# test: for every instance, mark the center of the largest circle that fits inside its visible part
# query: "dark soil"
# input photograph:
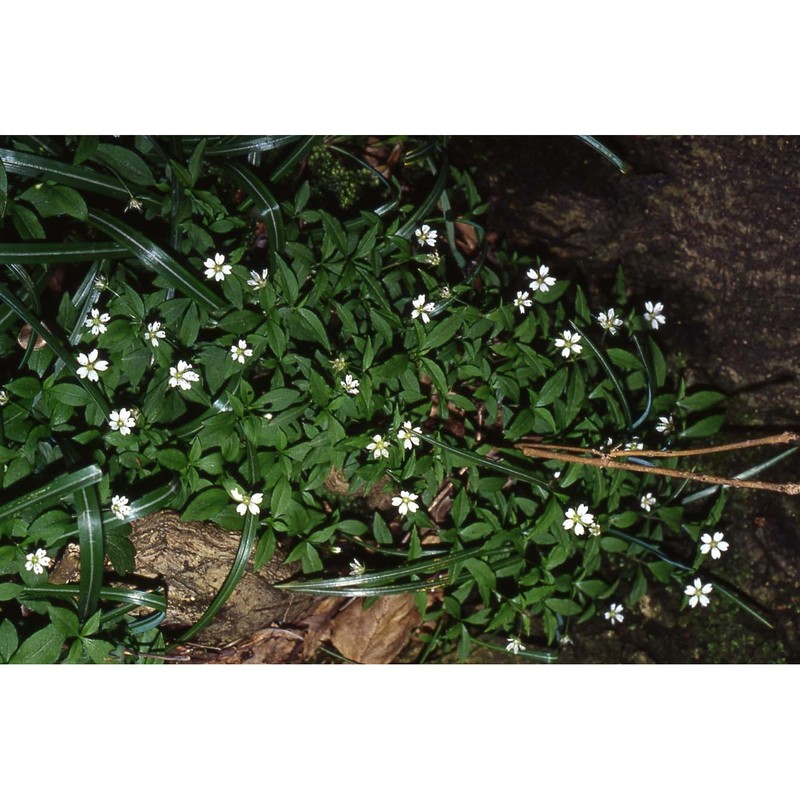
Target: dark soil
(706, 225)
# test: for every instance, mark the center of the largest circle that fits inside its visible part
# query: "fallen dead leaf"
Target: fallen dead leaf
(375, 635)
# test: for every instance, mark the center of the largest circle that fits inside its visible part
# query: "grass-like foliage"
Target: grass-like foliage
(310, 341)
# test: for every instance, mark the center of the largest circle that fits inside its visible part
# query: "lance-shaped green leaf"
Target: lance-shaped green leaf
(300, 152)
(90, 538)
(70, 253)
(158, 260)
(131, 597)
(242, 146)
(606, 153)
(54, 491)
(266, 205)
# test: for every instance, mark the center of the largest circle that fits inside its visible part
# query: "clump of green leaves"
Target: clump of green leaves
(217, 257)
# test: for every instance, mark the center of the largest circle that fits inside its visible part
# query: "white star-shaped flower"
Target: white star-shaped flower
(96, 321)
(569, 343)
(120, 506)
(614, 613)
(665, 425)
(408, 435)
(578, 519)
(609, 321)
(422, 309)
(426, 235)
(514, 645)
(713, 544)
(357, 568)
(3, 397)
(648, 502)
(405, 503)
(258, 281)
(653, 314)
(522, 302)
(379, 447)
(247, 502)
(350, 384)
(134, 204)
(594, 529)
(154, 333)
(541, 281)
(216, 267)
(634, 444)
(122, 421)
(698, 593)
(183, 375)
(241, 351)
(37, 561)
(90, 366)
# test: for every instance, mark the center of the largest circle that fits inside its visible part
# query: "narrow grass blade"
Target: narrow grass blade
(746, 475)
(154, 257)
(68, 174)
(442, 172)
(135, 597)
(242, 146)
(90, 538)
(497, 466)
(246, 546)
(545, 656)
(266, 205)
(372, 591)
(606, 153)
(33, 253)
(305, 146)
(55, 343)
(54, 491)
(649, 381)
(618, 388)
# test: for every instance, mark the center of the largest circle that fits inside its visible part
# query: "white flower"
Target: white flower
(338, 364)
(434, 259)
(91, 366)
(133, 204)
(241, 351)
(578, 519)
(379, 447)
(357, 568)
(614, 613)
(714, 545)
(540, 282)
(609, 321)
(653, 314)
(183, 375)
(698, 592)
(634, 444)
(247, 502)
(350, 384)
(258, 281)
(405, 503)
(268, 416)
(594, 529)
(522, 302)
(445, 293)
(154, 333)
(569, 343)
(514, 645)
(37, 561)
(216, 267)
(3, 397)
(120, 506)
(665, 425)
(425, 235)
(648, 502)
(407, 435)
(122, 421)
(422, 309)
(96, 321)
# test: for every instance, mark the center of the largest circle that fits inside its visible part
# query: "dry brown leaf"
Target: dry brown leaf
(466, 239)
(319, 624)
(378, 634)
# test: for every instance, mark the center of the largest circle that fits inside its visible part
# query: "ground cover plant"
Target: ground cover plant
(262, 332)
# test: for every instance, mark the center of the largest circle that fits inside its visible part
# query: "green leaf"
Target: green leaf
(8, 639)
(3, 190)
(65, 620)
(9, 591)
(700, 401)
(242, 146)
(54, 201)
(154, 257)
(624, 359)
(127, 164)
(70, 253)
(207, 504)
(266, 205)
(442, 333)
(43, 647)
(436, 374)
(98, 651)
(705, 427)
(564, 607)
(26, 223)
(380, 530)
(554, 388)
(196, 161)
(315, 327)
(27, 387)
(90, 537)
